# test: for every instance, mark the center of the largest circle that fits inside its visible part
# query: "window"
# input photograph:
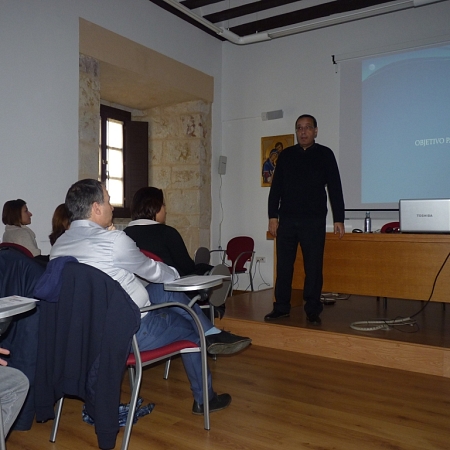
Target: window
(123, 157)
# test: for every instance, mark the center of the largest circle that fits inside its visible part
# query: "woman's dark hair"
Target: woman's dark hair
(60, 222)
(12, 212)
(147, 202)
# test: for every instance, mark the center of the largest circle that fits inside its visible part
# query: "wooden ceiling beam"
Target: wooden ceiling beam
(303, 15)
(249, 8)
(193, 4)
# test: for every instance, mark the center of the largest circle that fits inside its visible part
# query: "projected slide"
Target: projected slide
(405, 126)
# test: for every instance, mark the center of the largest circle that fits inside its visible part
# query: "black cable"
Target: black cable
(432, 289)
(383, 324)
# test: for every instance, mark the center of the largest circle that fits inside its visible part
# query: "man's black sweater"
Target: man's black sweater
(299, 181)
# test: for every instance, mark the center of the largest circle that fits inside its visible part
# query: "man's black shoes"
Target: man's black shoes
(217, 403)
(314, 319)
(275, 315)
(225, 343)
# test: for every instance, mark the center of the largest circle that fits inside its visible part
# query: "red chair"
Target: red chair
(151, 255)
(137, 360)
(18, 247)
(240, 250)
(391, 227)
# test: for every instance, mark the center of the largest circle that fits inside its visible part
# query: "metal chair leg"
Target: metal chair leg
(58, 411)
(166, 369)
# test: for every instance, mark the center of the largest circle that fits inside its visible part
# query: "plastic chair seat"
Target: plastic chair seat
(162, 352)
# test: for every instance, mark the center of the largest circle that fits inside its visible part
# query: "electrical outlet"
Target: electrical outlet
(261, 259)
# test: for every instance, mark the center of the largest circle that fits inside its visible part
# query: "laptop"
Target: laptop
(430, 215)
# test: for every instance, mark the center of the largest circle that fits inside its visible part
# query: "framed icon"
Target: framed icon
(271, 147)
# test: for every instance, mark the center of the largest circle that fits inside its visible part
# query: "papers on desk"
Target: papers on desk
(15, 300)
(15, 304)
(196, 280)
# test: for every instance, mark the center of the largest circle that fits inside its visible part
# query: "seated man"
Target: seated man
(13, 391)
(90, 242)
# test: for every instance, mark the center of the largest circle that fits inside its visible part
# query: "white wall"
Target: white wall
(39, 88)
(294, 74)
(39, 96)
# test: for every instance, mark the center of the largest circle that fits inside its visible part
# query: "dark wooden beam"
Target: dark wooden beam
(192, 4)
(249, 8)
(304, 15)
(179, 14)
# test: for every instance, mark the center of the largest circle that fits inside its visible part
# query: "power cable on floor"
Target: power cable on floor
(387, 324)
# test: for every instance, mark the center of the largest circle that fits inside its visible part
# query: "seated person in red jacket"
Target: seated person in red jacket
(150, 232)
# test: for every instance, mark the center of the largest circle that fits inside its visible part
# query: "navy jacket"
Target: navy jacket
(84, 341)
(18, 276)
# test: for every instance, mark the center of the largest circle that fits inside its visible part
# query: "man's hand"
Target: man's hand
(273, 227)
(339, 229)
(3, 351)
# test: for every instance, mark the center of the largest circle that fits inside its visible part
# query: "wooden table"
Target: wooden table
(384, 265)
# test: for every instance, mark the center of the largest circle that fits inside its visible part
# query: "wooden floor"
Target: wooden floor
(433, 323)
(288, 399)
(423, 348)
(281, 400)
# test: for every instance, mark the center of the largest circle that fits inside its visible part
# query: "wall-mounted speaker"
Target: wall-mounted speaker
(271, 115)
(222, 170)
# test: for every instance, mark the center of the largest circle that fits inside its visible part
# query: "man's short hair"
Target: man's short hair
(307, 116)
(81, 196)
(146, 203)
(12, 212)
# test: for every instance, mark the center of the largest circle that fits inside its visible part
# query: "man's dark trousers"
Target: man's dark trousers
(310, 234)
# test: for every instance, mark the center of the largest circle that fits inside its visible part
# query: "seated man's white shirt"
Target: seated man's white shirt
(114, 253)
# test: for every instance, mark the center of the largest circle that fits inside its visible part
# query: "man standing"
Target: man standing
(113, 252)
(297, 215)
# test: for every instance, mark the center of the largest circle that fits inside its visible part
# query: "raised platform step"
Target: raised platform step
(424, 348)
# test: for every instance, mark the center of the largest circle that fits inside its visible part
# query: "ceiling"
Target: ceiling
(247, 21)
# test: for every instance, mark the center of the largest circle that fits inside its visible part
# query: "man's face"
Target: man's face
(306, 132)
(105, 210)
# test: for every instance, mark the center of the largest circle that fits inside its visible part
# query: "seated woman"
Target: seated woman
(149, 231)
(60, 222)
(16, 217)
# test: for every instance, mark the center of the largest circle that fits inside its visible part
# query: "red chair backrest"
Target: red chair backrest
(21, 248)
(391, 227)
(238, 245)
(151, 255)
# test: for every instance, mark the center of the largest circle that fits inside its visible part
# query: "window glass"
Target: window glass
(115, 163)
(114, 133)
(115, 190)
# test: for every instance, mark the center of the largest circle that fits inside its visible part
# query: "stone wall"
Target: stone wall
(179, 155)
(180, 164)
(89, 116)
